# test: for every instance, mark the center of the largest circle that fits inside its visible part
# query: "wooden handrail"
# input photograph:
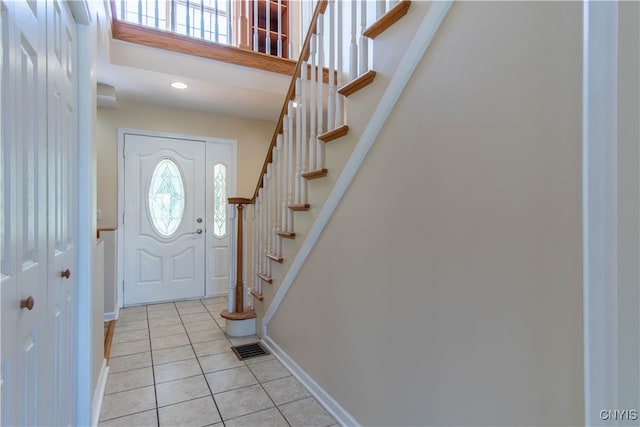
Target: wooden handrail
(304, 55)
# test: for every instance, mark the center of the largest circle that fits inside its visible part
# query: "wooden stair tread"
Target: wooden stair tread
(275, 258)
(392, 16)
(286, 234)
(304, 207)
(334, 134)
(355, 85)
(247, 314)
(318, 173)
(266, 278)
(257, 295)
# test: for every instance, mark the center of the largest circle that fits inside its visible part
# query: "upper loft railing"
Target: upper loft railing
(226, 30)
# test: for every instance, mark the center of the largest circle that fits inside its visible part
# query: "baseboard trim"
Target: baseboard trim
(112, 316)
(324, 398)
(98, 393)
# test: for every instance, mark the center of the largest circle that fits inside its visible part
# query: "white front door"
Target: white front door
(164, 219)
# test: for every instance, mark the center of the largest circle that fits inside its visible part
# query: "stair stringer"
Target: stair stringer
(387, 90)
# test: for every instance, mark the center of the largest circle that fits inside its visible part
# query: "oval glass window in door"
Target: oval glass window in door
(166, 197)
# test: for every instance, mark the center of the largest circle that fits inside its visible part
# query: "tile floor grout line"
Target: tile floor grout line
(204, 375)
(153, 370)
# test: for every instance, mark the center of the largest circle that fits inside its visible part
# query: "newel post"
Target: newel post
(239, 320)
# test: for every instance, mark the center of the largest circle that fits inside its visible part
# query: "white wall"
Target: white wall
(253, 138)
(447, 287)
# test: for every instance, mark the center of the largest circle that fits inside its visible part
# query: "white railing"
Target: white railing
(333, 53)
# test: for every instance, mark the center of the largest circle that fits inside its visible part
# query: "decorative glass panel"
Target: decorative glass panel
(166, 197)
(219, 200)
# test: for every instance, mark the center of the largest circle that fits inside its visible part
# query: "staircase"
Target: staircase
(323, 116)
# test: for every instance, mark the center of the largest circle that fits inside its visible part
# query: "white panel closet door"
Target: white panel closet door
(25, 398)
(63, 185)
(164, 224)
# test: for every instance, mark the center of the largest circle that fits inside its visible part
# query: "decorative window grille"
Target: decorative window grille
(201, 19)
(166, 198)
(219, 200)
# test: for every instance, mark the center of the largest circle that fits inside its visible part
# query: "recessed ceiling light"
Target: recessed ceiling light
(179, 85)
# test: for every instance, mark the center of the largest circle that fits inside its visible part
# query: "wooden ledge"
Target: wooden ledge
(248, 314)
(355, 85)
(266, 278)
(286, 234)
(319, 173)
(257, 295)
(334, 134)
(275, 258)
(239, 201)
(304, 207)
(392, 16)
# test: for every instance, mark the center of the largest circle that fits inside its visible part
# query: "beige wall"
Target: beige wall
(629, 205)
(458, 301)
(252, 136)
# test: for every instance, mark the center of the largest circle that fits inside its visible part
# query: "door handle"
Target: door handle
(66, 274)
(27, 303)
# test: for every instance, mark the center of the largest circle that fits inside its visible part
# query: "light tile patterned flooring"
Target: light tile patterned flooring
(172, 365)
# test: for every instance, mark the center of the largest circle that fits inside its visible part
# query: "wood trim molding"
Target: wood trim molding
(257, 295)
(334, 134)
(247, 314)
(304, 207)
(358, 83)
(265, 278)
(318, 173)
(276, 258)
(286, 234)
(205, 49)
(239, 201)
(392, 16)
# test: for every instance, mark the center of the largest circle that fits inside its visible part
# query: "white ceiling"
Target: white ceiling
(142, 74)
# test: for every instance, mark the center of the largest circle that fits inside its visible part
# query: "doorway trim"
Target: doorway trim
(121, 134)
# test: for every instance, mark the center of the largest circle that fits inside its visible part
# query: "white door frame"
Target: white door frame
(121, 225)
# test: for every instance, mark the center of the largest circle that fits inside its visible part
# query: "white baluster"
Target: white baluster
(339, 98)
(353, 65)
(256, 249)
(278, 187)
(267, 228)
(245, 239)
(381, 8)
(320, 99)
(313, 105)
(285, 176)
(267, 36)
(280, 28)
(298, 144)
(331, 106)
(255, 26)
(364, 41)
(290, 164)
(302, 107)
(254, 281)
(392, 3)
